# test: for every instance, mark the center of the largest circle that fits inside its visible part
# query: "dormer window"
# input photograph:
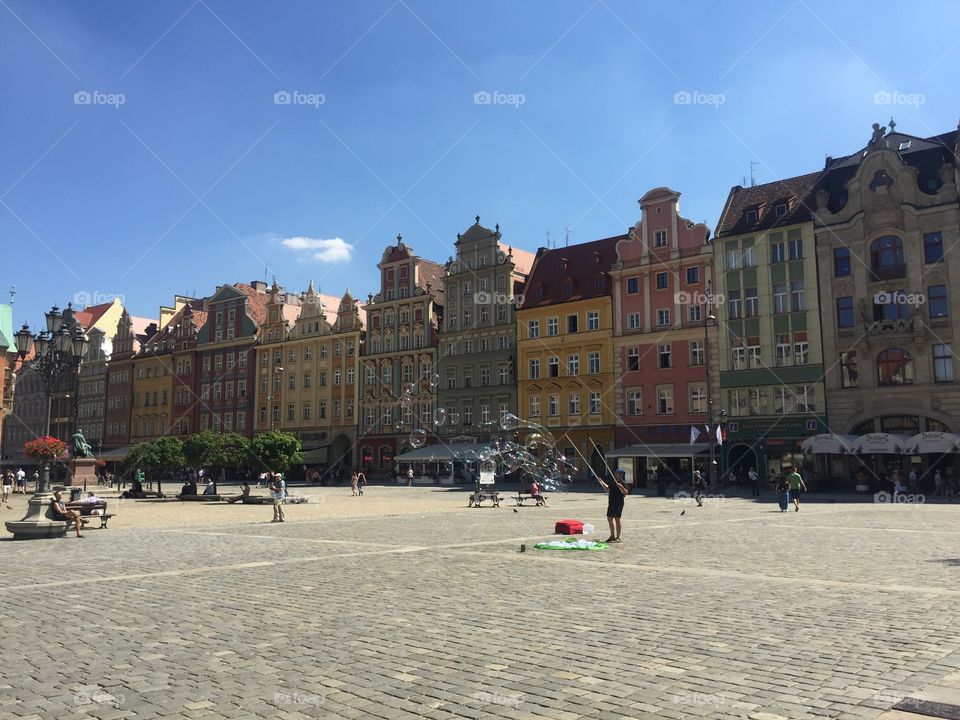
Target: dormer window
(905, 145)
(594, 260)
(567, 287)
(751, 216)
(660, 238)
(780, 210)
(563, 266)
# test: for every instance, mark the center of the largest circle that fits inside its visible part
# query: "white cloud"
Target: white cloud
(325, 249)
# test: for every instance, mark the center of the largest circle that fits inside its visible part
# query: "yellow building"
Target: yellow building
(307, 374)
(565, 349)
(152, 391)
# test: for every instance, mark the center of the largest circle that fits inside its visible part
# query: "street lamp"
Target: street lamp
(57, 351)
(709, 318)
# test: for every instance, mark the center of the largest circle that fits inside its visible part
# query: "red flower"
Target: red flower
(45, 448)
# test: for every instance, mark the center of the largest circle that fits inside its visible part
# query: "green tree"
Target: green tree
(275, 451)
(233, 449)
(162, 454)
(201, 449)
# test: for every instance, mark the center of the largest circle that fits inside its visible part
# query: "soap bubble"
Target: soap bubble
(406, 401)
(470, 456)
(484, 454)
(453, 418)
(417, 438)
(407, 388)
(434, 382)
(439, 416)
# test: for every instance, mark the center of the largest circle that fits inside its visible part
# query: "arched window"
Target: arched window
(894, 367)
(886, 258)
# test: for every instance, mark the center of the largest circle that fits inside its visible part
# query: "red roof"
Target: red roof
(568, 274)
(256, 302)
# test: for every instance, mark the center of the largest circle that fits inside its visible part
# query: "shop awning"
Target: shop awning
(115, 454)
(881, 444)
(661, 450)
(933, 442)
(316, 456)
(828, 444)
(442, 451)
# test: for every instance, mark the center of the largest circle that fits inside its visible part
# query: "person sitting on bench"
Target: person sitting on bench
(211, 488)
(244, 493)
(61, 513)
(189, 488)
(535, 493)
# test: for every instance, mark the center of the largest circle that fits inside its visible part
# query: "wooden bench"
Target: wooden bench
(479, 496)
(541, 500)
(86, 510)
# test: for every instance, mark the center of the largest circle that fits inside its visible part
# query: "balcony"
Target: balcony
(891, 272)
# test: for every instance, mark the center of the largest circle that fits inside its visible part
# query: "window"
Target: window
(468, 376)
(734, 305)
(572, 323)
(894, 367)
(633, 359)
(782, 400)
(534, 370)
(738, 355)
(780, 305)
(937, 300)
(593, 320)
(553, 326)
(665, 400)
(291, 382)
(662, 281)
(942, 363)
(733, 258)
(693, 275)
(696, 353)
(804, 399)
(890, 305)
(751, 215)
(594, 402)
(484, 413)
(634, 402)
(845, 316)
(783, 350)
(754, 359)
(484, 376)
(573, 404)
(796, 248)
(533, 403)
(593, 362)
(693, 313)
(663, 317)
(801, 348)
(554, 366)
(752, 305)
(660, 238)
(886, 258)
(290, 412)
(933, 247)
(533, 329)
(756, 399)
(777, 254)
(698, 399)
(503, 375)
(841, 262)
(848, 369)
(573, 364)
(633, 321)
(553, 405)
(663, 356)
(306, 410)
(323, 377)
(633, 285)
(798, 298)
(749, 257)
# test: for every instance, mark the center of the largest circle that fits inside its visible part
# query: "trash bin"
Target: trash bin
(75, 493)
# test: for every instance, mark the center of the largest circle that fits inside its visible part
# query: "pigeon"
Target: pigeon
(682, 513)
(515, 510)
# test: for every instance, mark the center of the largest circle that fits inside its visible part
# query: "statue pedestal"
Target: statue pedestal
(83, 471)
(38, 522)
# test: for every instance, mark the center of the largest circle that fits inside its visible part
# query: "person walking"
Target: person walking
(796, 485)
(937, 483)
(279, 490)
(783, 493)
(361, 481)
(754, 482)
(698, 487)
(7, 485)
(353, 484)
(21, 480)
(410, 476)
(616, 492)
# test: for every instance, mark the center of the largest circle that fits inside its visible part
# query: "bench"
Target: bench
(479, 496)
(86, 510)
(541, 500)
(104, 519)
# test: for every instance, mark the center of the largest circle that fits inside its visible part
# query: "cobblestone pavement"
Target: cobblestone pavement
(734, 610)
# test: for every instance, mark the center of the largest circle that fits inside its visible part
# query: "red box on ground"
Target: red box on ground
(568, 527)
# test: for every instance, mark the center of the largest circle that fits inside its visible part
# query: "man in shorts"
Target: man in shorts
(796, 484)
(62, 513)
(279, 489)
(616, 492)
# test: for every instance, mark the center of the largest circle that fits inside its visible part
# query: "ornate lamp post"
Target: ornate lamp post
(58, 350)
(709, 318)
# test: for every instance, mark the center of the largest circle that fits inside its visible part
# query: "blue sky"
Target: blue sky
(182, 172)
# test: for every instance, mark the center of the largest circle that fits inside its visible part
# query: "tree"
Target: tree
(275, 451)
(164, 453)
(200, 449)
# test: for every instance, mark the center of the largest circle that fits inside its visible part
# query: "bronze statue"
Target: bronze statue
(79, 446)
